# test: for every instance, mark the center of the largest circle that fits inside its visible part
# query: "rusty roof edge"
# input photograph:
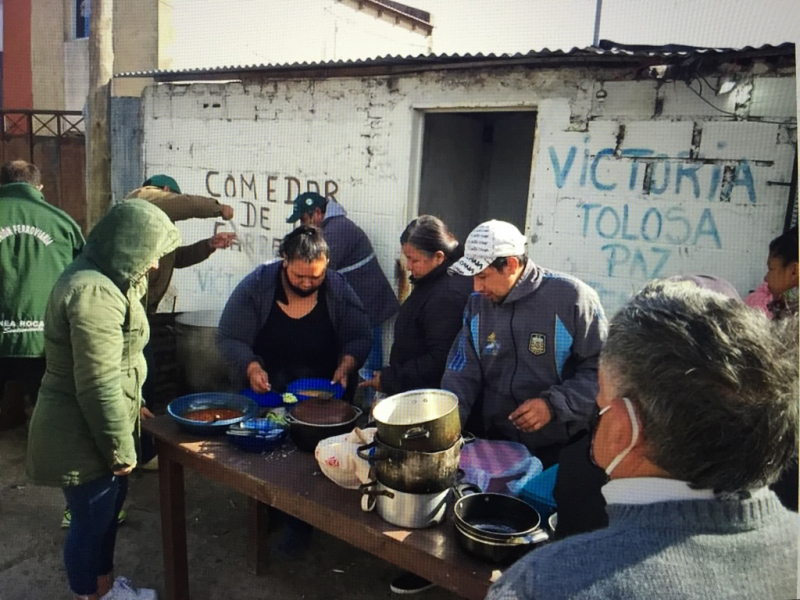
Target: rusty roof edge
(392, 64)
(399, 12)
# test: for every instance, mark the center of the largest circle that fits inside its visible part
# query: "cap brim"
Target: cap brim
(295, 217)
(469, 266)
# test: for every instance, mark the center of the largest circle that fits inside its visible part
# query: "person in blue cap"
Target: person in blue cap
(352, 255)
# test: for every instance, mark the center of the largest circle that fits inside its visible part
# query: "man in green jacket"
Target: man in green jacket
(37, 242)
(84, 429)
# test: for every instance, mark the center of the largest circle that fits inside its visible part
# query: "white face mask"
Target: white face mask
(634, 436)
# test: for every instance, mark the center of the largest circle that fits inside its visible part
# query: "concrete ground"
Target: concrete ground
(31, 544)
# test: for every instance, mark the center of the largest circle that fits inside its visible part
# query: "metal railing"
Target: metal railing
(17, 123)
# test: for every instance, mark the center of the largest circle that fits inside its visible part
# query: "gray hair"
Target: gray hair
(715, 384)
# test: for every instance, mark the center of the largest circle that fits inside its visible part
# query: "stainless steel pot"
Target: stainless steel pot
(410, 471)
(424, 420)
(200, 365)
(413, 511)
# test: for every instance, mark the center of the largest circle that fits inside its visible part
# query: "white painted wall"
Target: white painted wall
(248, 32)
(588, 215)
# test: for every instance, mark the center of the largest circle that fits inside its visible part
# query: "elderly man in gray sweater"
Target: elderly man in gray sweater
(698, 408)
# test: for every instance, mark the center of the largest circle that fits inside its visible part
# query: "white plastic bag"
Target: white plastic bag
(338, 460)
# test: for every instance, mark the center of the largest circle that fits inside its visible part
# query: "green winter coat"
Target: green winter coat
(86, 419)
(37, 242)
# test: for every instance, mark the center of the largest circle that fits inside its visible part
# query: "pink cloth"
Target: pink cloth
(492, 464)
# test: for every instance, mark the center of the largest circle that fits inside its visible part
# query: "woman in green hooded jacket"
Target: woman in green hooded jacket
(84, 429)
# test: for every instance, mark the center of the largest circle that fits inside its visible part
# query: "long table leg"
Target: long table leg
(173, 525)
(258, 521)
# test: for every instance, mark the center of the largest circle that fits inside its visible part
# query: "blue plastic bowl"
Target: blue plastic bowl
(257, 435)
(180, 406)
(266, 400)
(317, 384)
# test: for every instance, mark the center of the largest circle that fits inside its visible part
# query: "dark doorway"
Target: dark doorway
(476, 166)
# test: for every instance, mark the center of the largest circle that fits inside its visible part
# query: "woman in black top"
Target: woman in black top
(295, 319)
(430, 318)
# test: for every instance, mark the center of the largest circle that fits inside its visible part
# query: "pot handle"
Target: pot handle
(368, 502)
(369, 453)
(468, 437)
(416, 433)
(365, 487)
(369, 495)
(536, 537)
(465, 489)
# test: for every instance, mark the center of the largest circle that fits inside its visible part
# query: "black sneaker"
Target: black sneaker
(408, 583)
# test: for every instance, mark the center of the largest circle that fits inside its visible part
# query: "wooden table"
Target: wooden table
(290, 480)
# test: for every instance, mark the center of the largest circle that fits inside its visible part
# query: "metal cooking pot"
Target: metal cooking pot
(498, 552)
(307, 435)
(199, 362)
(495, 527)
(410, 471)
(424, 420)
(414, 511)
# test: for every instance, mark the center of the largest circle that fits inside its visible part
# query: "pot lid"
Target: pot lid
(199, 318)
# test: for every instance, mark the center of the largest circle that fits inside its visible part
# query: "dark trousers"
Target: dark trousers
(581, 505)
(147, 441)
(19, 377)
(92, 535)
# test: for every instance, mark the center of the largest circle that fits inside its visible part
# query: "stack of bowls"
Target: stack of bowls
(414, 457)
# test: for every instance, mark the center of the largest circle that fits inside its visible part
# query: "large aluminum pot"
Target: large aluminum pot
(199, 363)
(414, 511)
(422, 420)
(410, 471)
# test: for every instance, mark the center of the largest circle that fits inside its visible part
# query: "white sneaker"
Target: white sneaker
(123, 590)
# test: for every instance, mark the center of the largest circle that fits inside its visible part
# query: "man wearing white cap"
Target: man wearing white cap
(524, 366)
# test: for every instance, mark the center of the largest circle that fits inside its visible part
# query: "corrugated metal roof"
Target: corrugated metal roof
(607, 52)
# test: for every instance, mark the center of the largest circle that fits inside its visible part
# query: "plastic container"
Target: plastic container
(256, 435)
(317, 385)
(538, 491)
(266, 400)
(210, 400)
